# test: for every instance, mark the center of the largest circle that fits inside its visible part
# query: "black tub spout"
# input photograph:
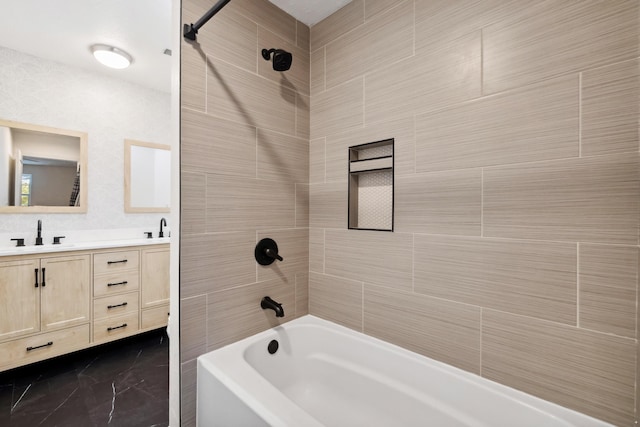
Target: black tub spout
(268, 303)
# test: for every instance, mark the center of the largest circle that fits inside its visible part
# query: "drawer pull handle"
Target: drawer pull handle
(124, 325)
(117, 305)
(36, 277)
(49, 344)
(117, 262)
(117, 283)
(43, 283)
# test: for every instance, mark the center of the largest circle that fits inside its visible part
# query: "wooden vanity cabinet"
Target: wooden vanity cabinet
(41, 300)
(66, 301)
(19, 298)
(154, 287)
(116, 292)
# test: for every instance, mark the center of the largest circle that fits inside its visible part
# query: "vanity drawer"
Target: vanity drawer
(116, 305)
(110, 284)
(156, 317)
(43, 346)
(115, 327)
(114, 262)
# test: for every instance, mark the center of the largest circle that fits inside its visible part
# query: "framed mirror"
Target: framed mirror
(147, 177)
(42, 169)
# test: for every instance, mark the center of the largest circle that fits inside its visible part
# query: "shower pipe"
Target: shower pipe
(191, 30)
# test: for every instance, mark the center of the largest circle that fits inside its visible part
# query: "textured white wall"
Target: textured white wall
(44, 92)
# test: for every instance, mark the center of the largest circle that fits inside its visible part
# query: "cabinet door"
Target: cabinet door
(65, 294)
(19, 298)
(155, 277)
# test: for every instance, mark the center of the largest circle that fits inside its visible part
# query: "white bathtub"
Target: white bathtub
(326, 375)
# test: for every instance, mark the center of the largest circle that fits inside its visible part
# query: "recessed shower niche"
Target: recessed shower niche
(371, 186)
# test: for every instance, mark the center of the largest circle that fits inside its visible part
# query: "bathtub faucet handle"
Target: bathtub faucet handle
(268, 303)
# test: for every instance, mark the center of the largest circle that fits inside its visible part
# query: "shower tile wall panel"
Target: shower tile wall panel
(302, 294)
(440, 203)
(446, 74)
(303, 35)
(193, 324)
(316, 250)
(338, 109)
(578, 368)
(235, 204)
(377, 258)
(443, 330)
(217, 146)
(216, 261)
(381, 41)
(538, 122)
(552, 37)
(188, 390)
(608, 288)
(341, 22)
(336, 299)
(193, 84)
(303, 116)
(302, 205)
(536, 279)
(610, 109)
(517, 199)
(244, 176)
(591, 199)
(328, 205)
(241, 96)
(317, 160)
(282, 157)
(316, 76)
(193, 208)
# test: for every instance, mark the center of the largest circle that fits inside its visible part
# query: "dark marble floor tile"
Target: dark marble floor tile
(124, 383)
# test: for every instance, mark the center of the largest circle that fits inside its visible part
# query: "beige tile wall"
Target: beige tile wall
(515, 254)
(517, 199)
(244, 176)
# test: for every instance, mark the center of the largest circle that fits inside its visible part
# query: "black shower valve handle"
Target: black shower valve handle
(266, 252)
(273, 254)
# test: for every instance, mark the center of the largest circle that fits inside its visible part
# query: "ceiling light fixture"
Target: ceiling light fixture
(111, 56)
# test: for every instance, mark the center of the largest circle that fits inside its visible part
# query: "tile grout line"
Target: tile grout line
(482, 63)
(578, 285)
(481, 202)
(413, 262)
(580, 114)
(481, 333)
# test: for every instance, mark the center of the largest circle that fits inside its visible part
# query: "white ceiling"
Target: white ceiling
(310, 11)
(63, 31)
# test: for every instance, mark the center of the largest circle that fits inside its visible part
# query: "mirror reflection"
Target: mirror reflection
(41, 169)
(147, 176)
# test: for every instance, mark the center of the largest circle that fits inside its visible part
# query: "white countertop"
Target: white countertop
(78, 240)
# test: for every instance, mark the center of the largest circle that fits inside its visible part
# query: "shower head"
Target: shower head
(281, 58)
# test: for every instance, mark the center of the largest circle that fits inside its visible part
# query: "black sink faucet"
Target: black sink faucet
(162, 221)
(268, 303)
(39, 237)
